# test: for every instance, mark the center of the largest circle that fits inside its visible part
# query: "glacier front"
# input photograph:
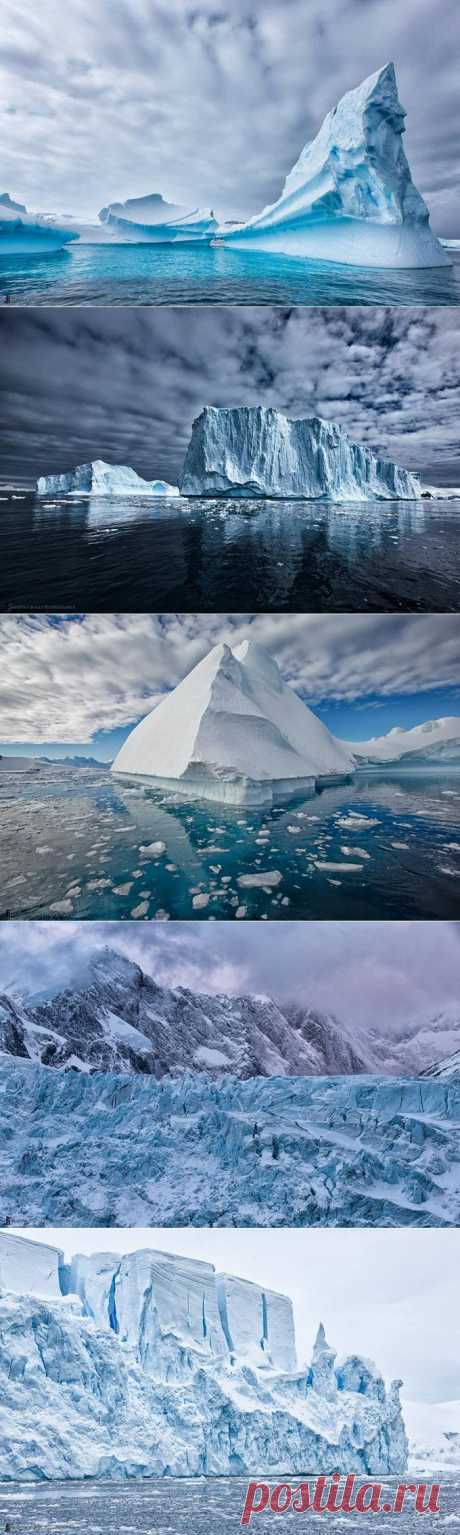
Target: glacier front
(350, 197)
(257, 451)
(151, 220)
(100, 479)
(155, 1365)
(23, 233)
(234, 731)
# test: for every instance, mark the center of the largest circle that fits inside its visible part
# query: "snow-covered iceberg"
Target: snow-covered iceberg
(157, 1366)
(435, 741)
(350, 197)
(234, 731)
(22, 232)
(151, 219)
(256, 451)
(100, 479)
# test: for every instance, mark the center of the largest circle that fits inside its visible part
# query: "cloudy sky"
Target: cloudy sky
(369, 974)
(378, 1293)
(82, 682)
(211, 103)
(125, 385)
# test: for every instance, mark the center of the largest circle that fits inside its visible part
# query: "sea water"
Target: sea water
(81, 843)
(107, 554)
(211, 274)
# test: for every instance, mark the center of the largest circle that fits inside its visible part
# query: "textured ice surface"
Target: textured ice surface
(151, 219)
(350, 197)
(29, 1267)
(234, 731)
(102, 479)
(103, 1150)
(256, 451)
(21, 232)
(142, 1391)
(434, 741)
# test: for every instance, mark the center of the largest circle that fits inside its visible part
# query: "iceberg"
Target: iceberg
(152, 220)
(23, 233)
(255, 451)
(434, 741)
(350, 197)
(100, 479)
(147, 1383)
(234, 731)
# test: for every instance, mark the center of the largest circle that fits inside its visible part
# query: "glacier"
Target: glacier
(100, 479)
(158, 1366)
(22, 233)
(434, 741)
(234, 732)
(152, 220)
(105, 1149)
(350, 197)
(255, 451)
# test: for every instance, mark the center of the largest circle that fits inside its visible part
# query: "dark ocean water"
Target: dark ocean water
(77, 843)
(203, 274)
(100, 554)
(192, 1507)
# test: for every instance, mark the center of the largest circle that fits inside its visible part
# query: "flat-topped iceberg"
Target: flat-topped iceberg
(434, 741)
(151, 219)
(23, 232)
(155, 1365)
(234, 731)
(100, 479)
(350, 197)
(256, 451)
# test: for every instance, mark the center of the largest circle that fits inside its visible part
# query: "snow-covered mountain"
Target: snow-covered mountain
(154, 1365)
(100, 479)
(256, 451)
(434, 741)
(233, 731)
(444, 1069)
(150, 219)
(23, 232)
(434, 1437)
(350, 197)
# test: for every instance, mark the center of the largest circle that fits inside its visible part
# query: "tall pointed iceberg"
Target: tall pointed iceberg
(234, 731)
(350, 197)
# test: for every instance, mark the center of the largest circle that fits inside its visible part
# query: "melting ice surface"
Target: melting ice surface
(78, 843)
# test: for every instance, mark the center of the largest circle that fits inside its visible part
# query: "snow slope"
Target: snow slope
(233, 730)
(146, 1392)
(435, 741)
(22, 232)
(100, 479)
(434, 1437)
(350, 197)
(150, 219)
(108, 1150)
(257, 451)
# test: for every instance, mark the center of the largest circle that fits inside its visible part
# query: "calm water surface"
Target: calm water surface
(189, 1507)
(100, 554)
(79, 843)
(204, 274)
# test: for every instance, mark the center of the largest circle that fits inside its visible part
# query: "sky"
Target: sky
(79, 684)
(126, 385)
(211, 103)
(378, 1293)
(368, 974)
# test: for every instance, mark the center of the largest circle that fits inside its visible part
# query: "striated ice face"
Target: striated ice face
(255, 451)
(159, 1367)
(350, 197)
(151, 219)
(29, 1267)
(21, 231)
(103, 479)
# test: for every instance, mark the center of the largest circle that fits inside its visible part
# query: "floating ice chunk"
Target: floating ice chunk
(153, 849)
(100, 479)
(28, 233)
(151, 220)
(266, 881)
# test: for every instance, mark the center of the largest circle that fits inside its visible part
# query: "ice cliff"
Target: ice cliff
(256, 451)
(234, 731)
(23, 233)
(100, 479)
(150, 219)
(159, 1366)
(434, 741)
(350, 197)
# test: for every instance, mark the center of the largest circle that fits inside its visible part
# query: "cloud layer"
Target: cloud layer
(126, 385)
(209, 103)
(65, 680)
